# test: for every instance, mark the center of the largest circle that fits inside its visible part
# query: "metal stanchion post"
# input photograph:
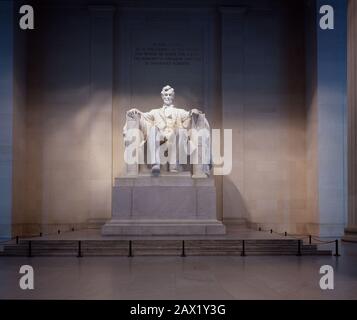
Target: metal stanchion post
(299, 248)
(183, 254)
(79, 249)
(243, 248)
(336, 249)
(30, 249)
(130, 249)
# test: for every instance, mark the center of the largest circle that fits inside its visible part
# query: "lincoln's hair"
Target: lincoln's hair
(167, 89)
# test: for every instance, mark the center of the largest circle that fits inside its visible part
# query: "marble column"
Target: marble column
(351, 230)
(6, 116)
(327, 119)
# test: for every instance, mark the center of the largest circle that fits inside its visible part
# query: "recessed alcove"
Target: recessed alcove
(261, 68)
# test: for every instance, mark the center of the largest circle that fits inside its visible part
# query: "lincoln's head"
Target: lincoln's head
(168, 95)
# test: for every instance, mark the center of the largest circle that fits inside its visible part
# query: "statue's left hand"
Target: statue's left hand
(195, 111)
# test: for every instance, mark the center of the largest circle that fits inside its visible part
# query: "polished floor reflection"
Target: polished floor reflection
(182, 278)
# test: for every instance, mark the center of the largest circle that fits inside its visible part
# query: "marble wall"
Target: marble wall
(263, 100)
(69, 116)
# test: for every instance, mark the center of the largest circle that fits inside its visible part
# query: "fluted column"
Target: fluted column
(351, 230)
(326, 134)
(6, 116)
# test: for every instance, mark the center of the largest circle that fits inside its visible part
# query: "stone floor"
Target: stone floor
(182, 278)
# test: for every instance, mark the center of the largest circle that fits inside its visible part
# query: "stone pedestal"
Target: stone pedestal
(350, 234)
(170, 204)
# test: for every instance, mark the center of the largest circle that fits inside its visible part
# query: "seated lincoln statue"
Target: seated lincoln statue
(172, 136)
(173, 146)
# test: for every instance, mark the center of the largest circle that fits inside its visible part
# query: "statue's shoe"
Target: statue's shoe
(155, 170)
(173, 168)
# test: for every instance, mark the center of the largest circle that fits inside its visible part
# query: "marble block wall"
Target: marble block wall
(69, 118)
(263, 100)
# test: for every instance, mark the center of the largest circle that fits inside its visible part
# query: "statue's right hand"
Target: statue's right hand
(132, 112)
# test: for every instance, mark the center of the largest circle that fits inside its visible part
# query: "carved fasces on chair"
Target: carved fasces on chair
(200, 142)
(132, 143)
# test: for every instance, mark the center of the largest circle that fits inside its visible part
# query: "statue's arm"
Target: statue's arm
(148, 116)
(187, 116)
(132, 113)
(183, 114)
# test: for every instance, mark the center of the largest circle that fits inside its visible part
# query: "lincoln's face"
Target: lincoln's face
(168, 97)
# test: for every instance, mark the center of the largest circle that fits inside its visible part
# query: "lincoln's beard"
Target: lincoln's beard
(168, 101)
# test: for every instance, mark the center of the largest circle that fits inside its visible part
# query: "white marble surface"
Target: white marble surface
(163, 227)
(169, 204)
(165, 179)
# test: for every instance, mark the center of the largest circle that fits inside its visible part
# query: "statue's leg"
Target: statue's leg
(154, 150)
(173, 152)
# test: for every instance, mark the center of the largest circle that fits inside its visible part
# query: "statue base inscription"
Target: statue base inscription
(171, 204)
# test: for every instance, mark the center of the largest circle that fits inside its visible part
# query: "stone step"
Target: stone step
(159, 247)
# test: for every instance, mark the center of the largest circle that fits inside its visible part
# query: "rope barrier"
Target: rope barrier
(29, 244)
(285, 234)
(58, 232)
(300, 238)
(296, 236)
(323, 242)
